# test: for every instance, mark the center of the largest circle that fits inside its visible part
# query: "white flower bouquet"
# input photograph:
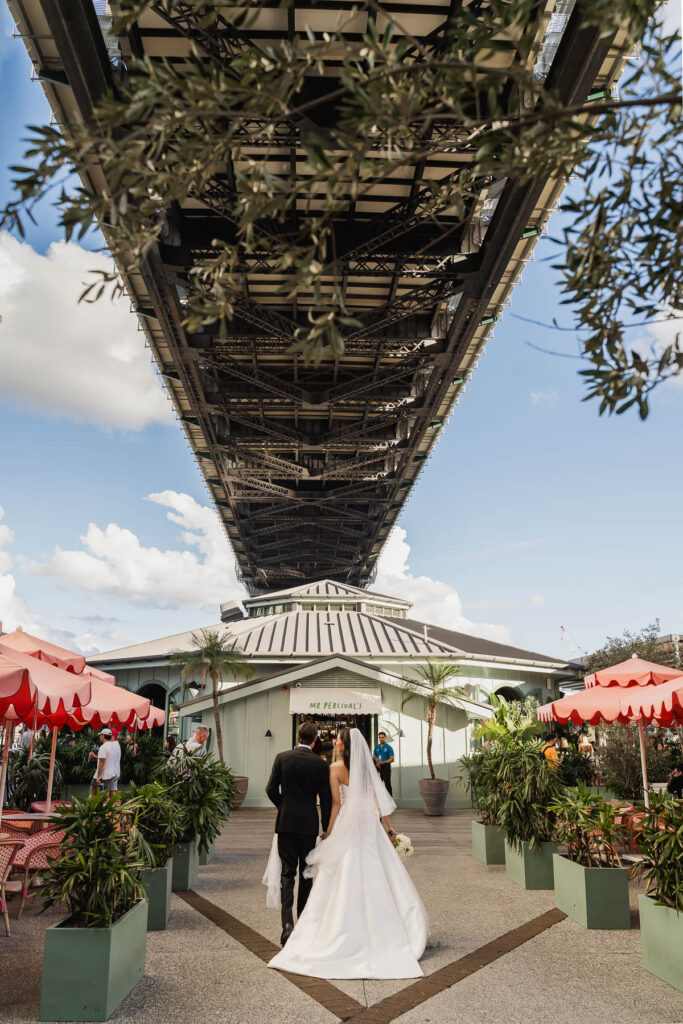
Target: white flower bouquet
(403, 846)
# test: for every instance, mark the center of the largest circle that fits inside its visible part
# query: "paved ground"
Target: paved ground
(502, 952)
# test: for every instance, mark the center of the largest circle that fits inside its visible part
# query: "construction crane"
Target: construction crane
(572, 646)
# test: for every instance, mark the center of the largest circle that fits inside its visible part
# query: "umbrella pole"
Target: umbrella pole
(5, 758)
(53, 754)
(33, 732)
(643, 762)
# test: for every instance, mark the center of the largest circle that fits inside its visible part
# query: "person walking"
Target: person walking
(384, 758)
(298, 779)
(108, 763)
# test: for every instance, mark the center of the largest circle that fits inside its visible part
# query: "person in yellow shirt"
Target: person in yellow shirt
(549, 751)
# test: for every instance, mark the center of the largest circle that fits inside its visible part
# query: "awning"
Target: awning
(314, 700)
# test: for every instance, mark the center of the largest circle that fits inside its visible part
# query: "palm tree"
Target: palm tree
(433, 685)
(213, 655)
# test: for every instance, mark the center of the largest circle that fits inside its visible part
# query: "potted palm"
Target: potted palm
(96, 956)
(205, 790)
(433, 686)
(591, 884)
(661, 908)
(527, 789)
(162, 823)
(479, 771)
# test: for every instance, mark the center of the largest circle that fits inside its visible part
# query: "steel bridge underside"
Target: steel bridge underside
(309, 465)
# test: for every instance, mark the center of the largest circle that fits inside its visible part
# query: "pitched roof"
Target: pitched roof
(313, 633)
(478, 645)
(154, 648)
(325, 588)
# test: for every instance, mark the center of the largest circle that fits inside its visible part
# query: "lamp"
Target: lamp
(269, 733)
(194, 688)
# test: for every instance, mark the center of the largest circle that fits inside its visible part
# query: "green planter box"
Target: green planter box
(488, 843)
(532, 869)
(661, 937)
(87, 972)
(206, 856)
(157, 883)
(595, 897)
(185, 866)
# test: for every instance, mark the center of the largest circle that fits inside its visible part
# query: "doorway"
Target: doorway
(329, 726)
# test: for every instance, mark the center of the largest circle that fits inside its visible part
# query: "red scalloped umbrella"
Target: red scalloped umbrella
(30, 687)
(632, 672)
(633, 691)
(26, 643)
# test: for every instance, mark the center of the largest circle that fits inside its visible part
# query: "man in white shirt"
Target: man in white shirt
(108, 763)
(195, 745)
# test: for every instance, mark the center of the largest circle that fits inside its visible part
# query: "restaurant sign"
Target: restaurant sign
(361, 700)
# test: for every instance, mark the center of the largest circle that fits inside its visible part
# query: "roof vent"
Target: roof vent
(231, 611)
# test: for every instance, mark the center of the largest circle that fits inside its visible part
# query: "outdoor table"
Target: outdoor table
(35, 817)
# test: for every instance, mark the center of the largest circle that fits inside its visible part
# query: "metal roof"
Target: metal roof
(478, 645)
(310, 465)
(325, 588)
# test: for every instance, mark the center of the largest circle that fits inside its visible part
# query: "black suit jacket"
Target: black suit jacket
(298, 778)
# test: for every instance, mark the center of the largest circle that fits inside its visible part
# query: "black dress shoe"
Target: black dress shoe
(286, 932)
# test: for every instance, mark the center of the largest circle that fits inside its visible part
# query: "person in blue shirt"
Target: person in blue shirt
(383, 757)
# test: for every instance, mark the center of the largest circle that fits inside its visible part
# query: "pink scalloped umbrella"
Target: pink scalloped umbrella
(634, 691)
(30, 687)
(25, 642)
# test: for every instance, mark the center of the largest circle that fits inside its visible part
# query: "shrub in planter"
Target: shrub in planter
(161, 822)
(661, 909)
(96, 956)
(205, 789)
(479, 774)
(591, 884)
(528, 786)
(27, 777)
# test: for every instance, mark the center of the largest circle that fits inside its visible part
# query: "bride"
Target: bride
(363, 918)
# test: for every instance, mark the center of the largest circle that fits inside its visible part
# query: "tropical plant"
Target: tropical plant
(98, 875)
(661, 839)
(576, 768)
(513, 721)
(141, 758)
(213, 656)
(73, 752)
(28, 776)
(589, 828)
(618, 761)
(433, 686)
(205, 789)
(160, 819)
(528, 787)
(480, 774)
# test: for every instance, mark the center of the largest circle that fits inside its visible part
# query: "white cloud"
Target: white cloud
(538, 600)
(434, 602)
(544, 397)
(82, 361)
(112, 560)
(13, 609)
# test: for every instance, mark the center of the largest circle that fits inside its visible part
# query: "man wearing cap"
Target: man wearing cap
(108, 763)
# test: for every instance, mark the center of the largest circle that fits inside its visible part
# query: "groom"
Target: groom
(298, 778)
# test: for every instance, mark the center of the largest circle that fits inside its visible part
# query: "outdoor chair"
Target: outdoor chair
(18, 829)
(40, 806)
(32, 861)
(8, 852)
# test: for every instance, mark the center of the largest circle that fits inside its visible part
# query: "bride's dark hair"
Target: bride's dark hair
(345, 737)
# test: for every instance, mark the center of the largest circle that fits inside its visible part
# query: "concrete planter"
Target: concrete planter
(661, 937)
(185, 866)
(88, 972)
(206, 856)
(157, 883)
(594, 897)
(531, 869)
(242, 782)
(488, 843)
(434, 793)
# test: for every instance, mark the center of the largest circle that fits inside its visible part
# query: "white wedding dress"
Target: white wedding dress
(364, 917)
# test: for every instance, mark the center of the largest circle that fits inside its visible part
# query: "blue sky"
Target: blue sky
(533, 512)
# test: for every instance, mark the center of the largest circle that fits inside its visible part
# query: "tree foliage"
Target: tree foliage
(618, 760)
(434, 686)
(163, 134)
(644, 643)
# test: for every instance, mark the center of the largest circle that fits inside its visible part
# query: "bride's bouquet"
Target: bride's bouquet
(403, 846)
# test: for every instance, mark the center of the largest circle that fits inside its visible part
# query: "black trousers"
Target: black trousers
(385, 776)
(293, 850)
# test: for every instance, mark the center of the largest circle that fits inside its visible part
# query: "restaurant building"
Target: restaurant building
(339, 654)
